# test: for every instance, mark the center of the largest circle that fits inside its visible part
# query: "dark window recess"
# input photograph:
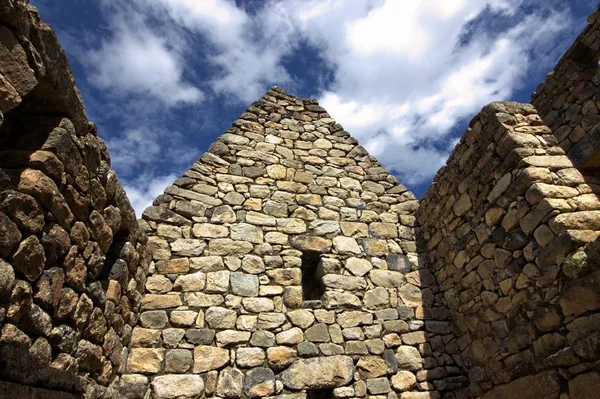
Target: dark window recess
(312, 286)
(320, 394)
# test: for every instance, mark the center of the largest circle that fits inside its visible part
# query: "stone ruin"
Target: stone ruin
(287, 262)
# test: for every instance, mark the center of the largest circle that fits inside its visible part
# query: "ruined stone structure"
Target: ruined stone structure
(288, 263)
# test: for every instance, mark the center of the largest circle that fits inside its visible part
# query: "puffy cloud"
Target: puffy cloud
(403, 74)
(406, 73)
(243, 51)
(136, 60)
(143, 190)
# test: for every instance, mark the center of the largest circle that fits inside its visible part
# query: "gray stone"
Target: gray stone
(202, 336)
(244, 284)
(263, 339)
(318, 373)
(7, 280)
(259, 382)
(220, 318)
(230, 383)
(408, 358)
(317, 333)
(178, 360)
(164, 215)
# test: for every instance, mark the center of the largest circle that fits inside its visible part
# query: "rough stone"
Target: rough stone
(318, 373)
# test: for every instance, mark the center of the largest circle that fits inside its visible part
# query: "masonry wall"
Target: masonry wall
(569, 98)
(225, 314)
(505, 223)
(72, 257)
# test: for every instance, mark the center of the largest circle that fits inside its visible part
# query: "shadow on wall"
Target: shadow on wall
(443, 362)
(71, 253)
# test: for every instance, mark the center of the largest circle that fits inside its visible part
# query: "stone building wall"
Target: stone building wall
(569, 99)
(72, 256)
(512, 223)
(505, 222)
(287, 201)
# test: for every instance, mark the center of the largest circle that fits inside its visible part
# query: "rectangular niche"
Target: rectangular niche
(312, 283)
(320, 394)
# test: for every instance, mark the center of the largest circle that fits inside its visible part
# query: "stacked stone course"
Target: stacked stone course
(287, 262)
(73, 259)
(224, 311)
(499, 221)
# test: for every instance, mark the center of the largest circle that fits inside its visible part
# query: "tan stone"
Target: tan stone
(207, 358)
(145, 360)
(371, 366)
(280, 357)
(173, 266)
(157, 301)
(207, 230)
(403, 381)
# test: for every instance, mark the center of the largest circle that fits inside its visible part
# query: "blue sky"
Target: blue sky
(164, 78)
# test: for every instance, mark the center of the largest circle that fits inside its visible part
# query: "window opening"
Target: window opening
(320, 394)
(312, 285)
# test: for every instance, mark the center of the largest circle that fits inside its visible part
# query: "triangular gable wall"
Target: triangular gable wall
(284, 200)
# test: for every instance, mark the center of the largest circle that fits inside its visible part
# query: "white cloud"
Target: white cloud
(407, 72)
(143, 190)
(404, 72)
(136, 60)
(246, 53)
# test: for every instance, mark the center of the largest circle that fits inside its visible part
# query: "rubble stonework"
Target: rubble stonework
(73, 259)
(499, 221)
(231, 239)
(287, 262)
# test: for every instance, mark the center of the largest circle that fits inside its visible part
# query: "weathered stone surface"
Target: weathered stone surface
(318, 373)
(7, 279)
(408, 358)
(23, 210)
(250, 357)
(207, 230)
(286, 196)
(207, 358)
(187, 282)
(29, 258)
(177, 386)
(162, 214)
(371, 367)
(280, 357)
(145, 360)
(178, 360)
(259, 382)
(403, 381)
(9, 235)
(541, 385)
(386, 278)
(585, 385)
(220, 318)
(312, 243)
(244, 284)
(230, 383)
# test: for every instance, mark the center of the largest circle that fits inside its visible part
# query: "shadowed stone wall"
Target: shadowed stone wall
(505, 222)
(73, 259)
(569, 99)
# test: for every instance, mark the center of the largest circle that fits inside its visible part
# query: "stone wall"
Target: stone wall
(569, 99)
(286, 261)
(73, 259)
(512, 223)
(505, 222)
